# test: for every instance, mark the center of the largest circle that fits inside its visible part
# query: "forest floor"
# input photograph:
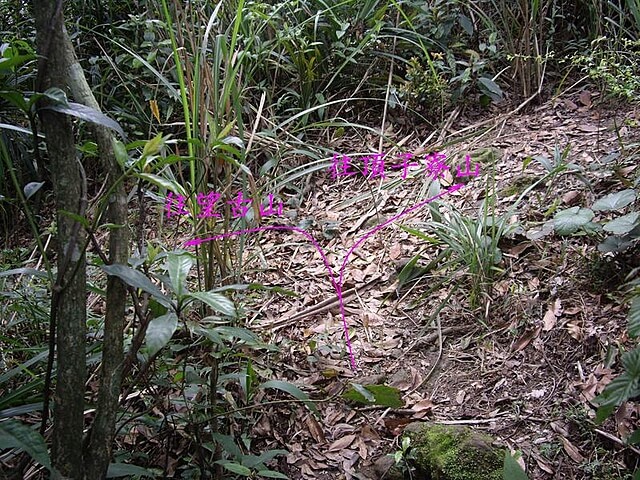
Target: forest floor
(523, 365)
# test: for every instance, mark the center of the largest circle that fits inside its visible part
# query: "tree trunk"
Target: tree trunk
(99, 450)
(68, 303)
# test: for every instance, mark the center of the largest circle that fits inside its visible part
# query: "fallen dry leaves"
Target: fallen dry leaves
(522, 378)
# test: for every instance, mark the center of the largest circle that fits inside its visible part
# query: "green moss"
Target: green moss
(454, 453)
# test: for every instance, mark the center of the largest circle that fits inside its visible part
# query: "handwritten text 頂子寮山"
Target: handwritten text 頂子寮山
(374, 165)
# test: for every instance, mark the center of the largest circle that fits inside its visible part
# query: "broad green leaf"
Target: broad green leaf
(615, 244)
(237, 468)
(621, 388)
(272, 474)
(255, 460)
(622, 225)
(124, 469)
(631, 363)
(178, 267)
(592, 228)
(490, 88)
(87, 114)
(512, 469)
(84, 221)
(209, 333)
(291, 390)
(16, 99)
(239, 333)
(14, 434)
(366, 394)
(615, 201)
(634, 317)
(15, 54)
(406, 443)
(153, 146)
(603, 413)
(465, 22)
(217, 301)
(382, 395)
(138, 280)
(540, 231)
(160, 331)
(120, 152)
(31, 188)
(570, 220)
(634, 438)
(56, 95)
(228, 445)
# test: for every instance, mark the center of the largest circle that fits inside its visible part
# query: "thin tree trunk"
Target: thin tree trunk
(68, 304)
(98, 453)
(99, 450)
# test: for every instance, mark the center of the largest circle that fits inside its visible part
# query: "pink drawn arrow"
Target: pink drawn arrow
(337, 285)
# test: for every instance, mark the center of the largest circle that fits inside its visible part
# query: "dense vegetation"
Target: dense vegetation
(108, 169)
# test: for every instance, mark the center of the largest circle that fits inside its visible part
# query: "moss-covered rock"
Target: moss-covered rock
(444, 452)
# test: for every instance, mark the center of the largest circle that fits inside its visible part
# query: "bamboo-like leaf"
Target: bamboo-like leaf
(252, 461)
(237, 469)
(24, 271)
(15, 434)
(162, 182)
(272, 474)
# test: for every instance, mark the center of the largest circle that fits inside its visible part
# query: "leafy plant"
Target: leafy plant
(471, 240)
(177, 267)
(17, 435)
(457, 62)
(404, 456)
(625, 386)
(613, 69)
(245, 465)
(624, 230)
(374, 395)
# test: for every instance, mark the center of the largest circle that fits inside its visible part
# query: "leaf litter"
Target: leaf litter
(525, 368)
